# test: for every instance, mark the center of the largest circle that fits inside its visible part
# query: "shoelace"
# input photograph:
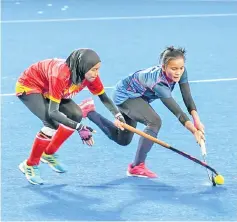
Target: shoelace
(34, 170)
(52, 159)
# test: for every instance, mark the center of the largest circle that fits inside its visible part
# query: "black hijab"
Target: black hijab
(80, 62)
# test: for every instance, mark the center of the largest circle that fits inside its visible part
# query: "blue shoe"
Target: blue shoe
(53, 162)
(32, 173)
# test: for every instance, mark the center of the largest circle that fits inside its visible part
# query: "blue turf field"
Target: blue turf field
(127, 38)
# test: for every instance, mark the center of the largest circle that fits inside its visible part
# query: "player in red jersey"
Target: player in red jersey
(46, 88)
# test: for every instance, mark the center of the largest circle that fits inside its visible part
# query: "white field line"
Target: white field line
(196, 1)
(118, 18)
(192, 81)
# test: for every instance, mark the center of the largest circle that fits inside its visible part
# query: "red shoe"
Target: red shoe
(140, 171)
(87, 106)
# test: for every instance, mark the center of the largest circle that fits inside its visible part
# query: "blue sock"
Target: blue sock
(104, 124)
(144, 146)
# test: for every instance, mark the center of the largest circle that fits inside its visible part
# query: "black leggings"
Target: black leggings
(39, 106)
(133, 110)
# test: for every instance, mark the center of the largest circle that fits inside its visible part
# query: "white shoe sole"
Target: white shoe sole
(135, 175)
(23, 171)
(21, 168)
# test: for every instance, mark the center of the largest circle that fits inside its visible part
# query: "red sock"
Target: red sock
(38, 148)
(61, 135)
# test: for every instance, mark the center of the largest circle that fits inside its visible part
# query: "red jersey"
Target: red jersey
(51, 78)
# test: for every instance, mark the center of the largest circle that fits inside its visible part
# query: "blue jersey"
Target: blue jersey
(150, 84)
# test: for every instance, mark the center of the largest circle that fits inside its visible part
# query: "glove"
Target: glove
(85, 133)
(120, 117)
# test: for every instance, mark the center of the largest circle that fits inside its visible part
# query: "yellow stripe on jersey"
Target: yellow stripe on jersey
(100, 93)
(74, 87)
(46, 95)
(53, 99)
(21, 88)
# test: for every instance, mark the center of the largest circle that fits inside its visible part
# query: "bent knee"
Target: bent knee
(125, 140)
(124, 143)
(155, 124)
(76, 115)
(77, 118)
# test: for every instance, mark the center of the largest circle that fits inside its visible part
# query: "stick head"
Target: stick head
(213, 181)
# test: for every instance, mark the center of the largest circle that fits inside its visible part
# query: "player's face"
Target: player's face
(93, 72)
(174, 69)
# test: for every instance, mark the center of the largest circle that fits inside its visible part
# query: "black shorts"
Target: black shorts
(139, 110)
(39, 106)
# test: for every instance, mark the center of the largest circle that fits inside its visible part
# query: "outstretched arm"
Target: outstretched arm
(109, 104)
(171, 104)
(58, 116)
(97, 88)
(113, 109)
(187, 97)
(197, 122)
(189, 103)
(85, 132)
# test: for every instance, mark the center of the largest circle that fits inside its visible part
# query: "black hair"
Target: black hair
(171, 53)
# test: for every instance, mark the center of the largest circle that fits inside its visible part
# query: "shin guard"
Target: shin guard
(61, 135)
(40, 143)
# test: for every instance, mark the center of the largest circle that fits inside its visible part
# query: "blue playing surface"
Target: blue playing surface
(128, 35)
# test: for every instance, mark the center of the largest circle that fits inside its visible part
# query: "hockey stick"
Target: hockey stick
(204, 154)
(166, 145)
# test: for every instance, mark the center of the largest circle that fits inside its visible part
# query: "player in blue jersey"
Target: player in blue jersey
(133, 96)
